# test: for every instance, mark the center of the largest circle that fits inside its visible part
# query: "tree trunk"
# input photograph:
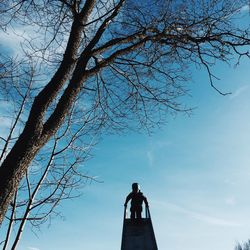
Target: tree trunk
(31, 140)
(14, 168)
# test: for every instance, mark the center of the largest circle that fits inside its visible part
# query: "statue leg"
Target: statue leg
(132, 214)
(138, 212)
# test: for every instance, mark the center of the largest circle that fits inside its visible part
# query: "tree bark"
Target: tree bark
(31, 140)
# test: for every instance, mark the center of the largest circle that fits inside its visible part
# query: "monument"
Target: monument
(137, 233)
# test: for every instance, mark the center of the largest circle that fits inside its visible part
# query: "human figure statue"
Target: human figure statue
(137, 198)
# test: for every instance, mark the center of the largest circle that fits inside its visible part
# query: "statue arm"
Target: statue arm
(145, 201)
(127, 199)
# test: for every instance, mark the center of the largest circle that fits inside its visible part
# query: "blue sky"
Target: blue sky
(195, 172)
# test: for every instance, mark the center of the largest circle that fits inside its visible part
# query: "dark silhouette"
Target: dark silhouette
(137, 198)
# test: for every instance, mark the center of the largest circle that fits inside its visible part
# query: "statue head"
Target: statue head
(135, 187)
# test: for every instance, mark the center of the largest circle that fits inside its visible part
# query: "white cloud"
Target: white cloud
(230, 200)
(245, 8)
(33, 248)
(7, 116)
(239, 91)
(153, 149)
(5, 122)
(198, 215)
(6, 106)
(150, 157)
(230, 181)
(213, 220)
(16, 37)
(12, 39)
(6, 111)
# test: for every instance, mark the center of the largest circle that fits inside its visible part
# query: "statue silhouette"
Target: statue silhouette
(137, 198)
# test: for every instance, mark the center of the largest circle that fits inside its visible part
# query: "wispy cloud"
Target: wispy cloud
(153, 149)
(198, 215)
(13, 39)
(5, 123)
(6, 120)
(245, 8)
(150, 157)
(33, 248)
(230, 201)
(239, 91)
(7, 116)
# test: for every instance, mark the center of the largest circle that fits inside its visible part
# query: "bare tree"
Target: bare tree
(54, 174)
(52, 178)
(245, 246)
(116, 63)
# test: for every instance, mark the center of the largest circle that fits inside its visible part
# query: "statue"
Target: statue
(137, 198)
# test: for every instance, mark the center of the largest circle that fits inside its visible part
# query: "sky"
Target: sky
(194, 171)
